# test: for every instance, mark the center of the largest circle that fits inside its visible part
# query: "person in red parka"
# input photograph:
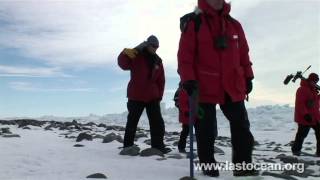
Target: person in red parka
(145, 90)
(181, 102)
(307, 113)
(213, 60)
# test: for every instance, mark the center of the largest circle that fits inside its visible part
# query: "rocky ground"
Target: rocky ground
(266, 151)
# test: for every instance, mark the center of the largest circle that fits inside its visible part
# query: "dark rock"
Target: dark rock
(171, 139)
(48, 128)
(175, 133)
(278, 149)
(287, 159)
(308, 149)
(140, 135)
(116, 128)
(32, 122)
(70, 137)
(77, 127)
(11, 135)
(9, 122)
(175, 156)
(97, 176)
(256, 143)
(90, 124)
(281, 176)
(111, 137)
(289, 144)
(74, 121)
(175, 143)
(307, 154)
(130, 151)
(26, 127)
(306, 173)
(306, 162)
(161, 159)
(224, 144)
(102, 125)
(223, 138)
(151, 152)
(67, 124)
(6, 130)
(86, 129)
(84, 136)
(108, 128)
(218, 150)
(98, 136)
(62, 127)
(187, 178)
(271, 143)
(290, 159)
(147, 141)
(78, 145)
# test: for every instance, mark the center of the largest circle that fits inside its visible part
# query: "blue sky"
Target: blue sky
(60, 57)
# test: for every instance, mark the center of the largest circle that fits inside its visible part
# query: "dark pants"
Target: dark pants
(241, 137)
(302, 134)
(135, 109)
(183, 136)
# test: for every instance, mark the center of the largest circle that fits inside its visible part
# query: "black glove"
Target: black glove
(307, 117)
(249, 86)
(190, 86)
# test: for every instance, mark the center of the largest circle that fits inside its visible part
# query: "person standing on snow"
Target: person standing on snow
(145, 90)
(181, 102)
(307, 113)
(213, 60)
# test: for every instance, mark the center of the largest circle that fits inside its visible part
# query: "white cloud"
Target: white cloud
(76, 33)
(284, 36)
(26, 86)
(14, 71)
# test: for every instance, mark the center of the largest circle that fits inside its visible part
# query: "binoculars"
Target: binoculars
(221, 42)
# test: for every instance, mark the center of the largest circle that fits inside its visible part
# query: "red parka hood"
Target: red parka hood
(205, 7)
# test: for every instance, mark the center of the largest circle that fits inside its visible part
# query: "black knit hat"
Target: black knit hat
(313, 77)
(153, 41)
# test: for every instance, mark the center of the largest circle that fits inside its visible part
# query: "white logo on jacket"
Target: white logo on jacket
(235, 37)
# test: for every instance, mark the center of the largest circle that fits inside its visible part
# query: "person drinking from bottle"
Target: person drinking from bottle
(145, 91)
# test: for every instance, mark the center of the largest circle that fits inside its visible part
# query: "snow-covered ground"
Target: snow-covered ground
(40, 154)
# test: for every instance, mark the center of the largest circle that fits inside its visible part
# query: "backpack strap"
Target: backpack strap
(193, 16)
(231, 19)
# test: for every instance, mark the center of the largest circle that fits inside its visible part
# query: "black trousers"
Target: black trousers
(302, 134)
(135, 109)
(183, 136)
(241, 137)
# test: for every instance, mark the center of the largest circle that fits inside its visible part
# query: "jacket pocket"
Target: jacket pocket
(209, 82)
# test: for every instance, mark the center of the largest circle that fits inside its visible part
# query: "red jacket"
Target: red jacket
(217, 71)
(307, 102)
(183, 107)
(146, 83)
